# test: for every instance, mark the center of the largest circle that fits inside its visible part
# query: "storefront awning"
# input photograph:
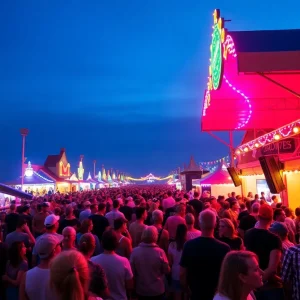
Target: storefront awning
(13, 192)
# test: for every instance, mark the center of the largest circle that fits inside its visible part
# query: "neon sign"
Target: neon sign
(216, 50)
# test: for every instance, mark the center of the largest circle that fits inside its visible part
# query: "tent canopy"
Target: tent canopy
(248, 98)
(220, 176)
(13, 192)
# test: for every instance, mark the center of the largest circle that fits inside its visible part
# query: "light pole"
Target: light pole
(94, 162)
(24, 132)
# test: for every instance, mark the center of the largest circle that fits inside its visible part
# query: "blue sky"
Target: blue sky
(118, 81)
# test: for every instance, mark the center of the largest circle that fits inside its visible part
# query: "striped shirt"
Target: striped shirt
(291, 270)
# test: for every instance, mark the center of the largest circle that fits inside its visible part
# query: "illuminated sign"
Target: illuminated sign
(216, 52)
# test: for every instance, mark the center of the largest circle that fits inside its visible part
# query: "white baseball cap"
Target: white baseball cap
(51, 220)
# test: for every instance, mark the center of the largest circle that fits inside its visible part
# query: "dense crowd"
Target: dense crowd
(149, 242)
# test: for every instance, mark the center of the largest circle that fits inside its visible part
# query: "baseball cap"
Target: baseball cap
(129, 198)
(51, 220)
(265, 212)
(45, 204)
(279, 228)
(87, 203)
(47, 243)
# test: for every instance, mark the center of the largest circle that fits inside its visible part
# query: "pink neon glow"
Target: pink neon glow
(229, 49)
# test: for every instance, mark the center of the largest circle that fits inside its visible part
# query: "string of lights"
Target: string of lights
(283, 132)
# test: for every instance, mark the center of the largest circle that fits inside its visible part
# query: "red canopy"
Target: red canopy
(248, 97)
(221, 176)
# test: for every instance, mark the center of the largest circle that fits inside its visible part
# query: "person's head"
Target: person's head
(274, 199)
(13, 208)
(26, 209)
(256, 197)
(226, 228)
(157, 216)
(87, 205)
(48, 246)
(169, 193)
(86, 226)
(242, 206)
(17, 253)
(120, 224)
(234, 205)
(21, 223)
(57, 211)
(180, 238)
(280, 229)
(69, 234)
(87, 244)
(69, 276)
(180, 209)
(250, 195)
(255, 208)
(110, 240)
(289, 212)
(207, 220)
(102, 208)
(225, 205)
(69, 211)
(265, 214)
(279, 215)
(141, 213)
(150, 235)
(190, 219)
(196, 195)
(297, 212)
(94, 208)
(233, 194)
(45, 207)
(51, 223)
(239, 272)
(116, 204)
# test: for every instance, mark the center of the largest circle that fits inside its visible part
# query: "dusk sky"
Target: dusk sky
(121, 82)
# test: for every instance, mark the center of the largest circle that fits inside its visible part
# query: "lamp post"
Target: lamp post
(24, 132)
(94, 162)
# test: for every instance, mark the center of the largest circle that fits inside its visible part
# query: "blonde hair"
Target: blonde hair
(234, 264)
(150, 235)
(69, 275)
(189, 219)
(229, 224)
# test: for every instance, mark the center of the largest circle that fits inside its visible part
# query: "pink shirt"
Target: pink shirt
(171, 225)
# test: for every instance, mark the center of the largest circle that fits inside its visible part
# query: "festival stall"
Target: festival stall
(33, 182)
(253, 85)
(218, 183)
(7, 194)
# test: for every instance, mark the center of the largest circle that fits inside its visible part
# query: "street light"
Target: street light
(24, 132)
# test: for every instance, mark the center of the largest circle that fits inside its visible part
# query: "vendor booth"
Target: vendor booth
(253, 85)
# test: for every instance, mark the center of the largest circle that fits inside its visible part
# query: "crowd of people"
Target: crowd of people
(149, 242)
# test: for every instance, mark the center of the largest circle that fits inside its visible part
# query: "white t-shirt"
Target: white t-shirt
(37, 284)
(176, 255)
(117, 270)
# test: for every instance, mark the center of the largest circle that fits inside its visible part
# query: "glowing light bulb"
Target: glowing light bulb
(276, 137)
(296, 129)
(238, 152)
(246, 149)
(256, 145)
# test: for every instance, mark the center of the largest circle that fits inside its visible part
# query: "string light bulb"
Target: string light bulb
(256, 145)
(246, 149)
(296, 129)
(277, 137)
(238, 152)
